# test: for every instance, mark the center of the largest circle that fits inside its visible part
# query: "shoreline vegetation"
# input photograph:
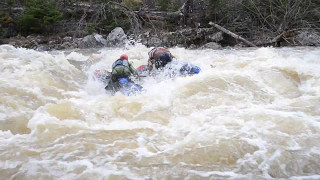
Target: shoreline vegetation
(214, 24)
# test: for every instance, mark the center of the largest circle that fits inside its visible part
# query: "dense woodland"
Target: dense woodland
(256, 20)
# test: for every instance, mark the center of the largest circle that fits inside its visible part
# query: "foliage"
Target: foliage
(102, 16)
(224, 10)
(174, 6)
(39, 16)
(271, 16)
(163, 5)
(91, 28)
(123, 22)
(115, 17)
(170, 23)
(133, 4)
(214, 6)
(283, 15)
(1, 24)
(11, 2)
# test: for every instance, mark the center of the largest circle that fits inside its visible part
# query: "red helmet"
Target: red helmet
(123, 56)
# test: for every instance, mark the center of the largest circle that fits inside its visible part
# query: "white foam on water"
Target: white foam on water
(250, 114)
(77, 57)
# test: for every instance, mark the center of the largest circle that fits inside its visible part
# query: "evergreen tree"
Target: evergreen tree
(40, 16)
(164, 5)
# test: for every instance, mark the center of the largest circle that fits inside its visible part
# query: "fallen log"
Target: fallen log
(232, 34)
(284, 35)
(281, 37)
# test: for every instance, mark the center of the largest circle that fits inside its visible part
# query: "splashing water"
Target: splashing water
(255, 115)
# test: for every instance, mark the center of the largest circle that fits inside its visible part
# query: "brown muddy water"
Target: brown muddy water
(255, 115)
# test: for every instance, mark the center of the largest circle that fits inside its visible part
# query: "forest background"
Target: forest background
(263, 22)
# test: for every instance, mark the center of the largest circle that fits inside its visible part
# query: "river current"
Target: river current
(249, 114)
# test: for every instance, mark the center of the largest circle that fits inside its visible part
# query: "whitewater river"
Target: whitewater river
(253, 114)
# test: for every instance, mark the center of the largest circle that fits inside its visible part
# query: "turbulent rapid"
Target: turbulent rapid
(249, 114)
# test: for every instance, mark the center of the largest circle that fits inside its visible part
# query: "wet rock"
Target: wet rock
(216, 37)
(53, 42)
(17, 10)
(92, 41)
(193, 46)
(67, 39)
(308, 38)
(12, 43)
(67, 45)
(131, 39)
(154, 42)
(32, 36)
(211, 45)
(38, 39)
(43, 48)
(147, 34)
(188, 37)
(117, 38)
(100, 39)
(240, 45)
(33, 44)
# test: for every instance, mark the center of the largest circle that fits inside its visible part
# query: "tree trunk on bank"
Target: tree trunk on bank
(232, 34)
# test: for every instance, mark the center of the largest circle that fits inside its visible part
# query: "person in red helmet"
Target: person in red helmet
(122, 68)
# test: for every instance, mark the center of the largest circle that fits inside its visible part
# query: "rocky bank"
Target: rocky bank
(188, 26)
(204, 38)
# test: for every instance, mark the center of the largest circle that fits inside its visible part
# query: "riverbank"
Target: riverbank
(49, 25)
(191, 38)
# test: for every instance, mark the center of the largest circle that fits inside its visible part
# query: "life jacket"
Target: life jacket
(120, 62)
(156, 51)
(124, 73)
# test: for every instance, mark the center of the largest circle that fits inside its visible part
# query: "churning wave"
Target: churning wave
(249, 114)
